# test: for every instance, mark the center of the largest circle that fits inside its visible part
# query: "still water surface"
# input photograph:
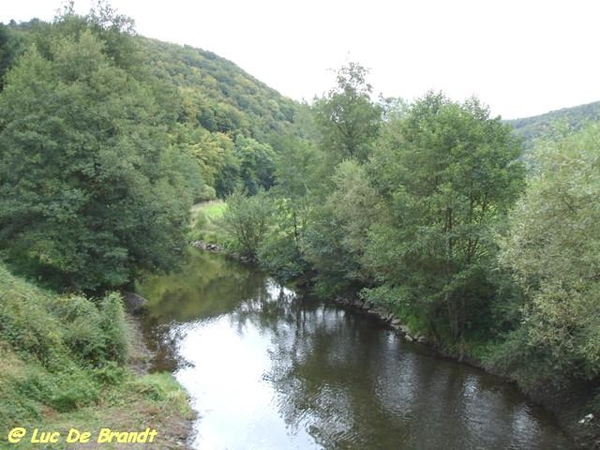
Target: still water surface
(268, 369)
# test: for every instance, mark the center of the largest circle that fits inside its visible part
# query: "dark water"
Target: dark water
(267, 370)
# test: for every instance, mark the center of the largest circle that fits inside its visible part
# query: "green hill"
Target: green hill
(218, 95)
(215, 93)
(531, 128)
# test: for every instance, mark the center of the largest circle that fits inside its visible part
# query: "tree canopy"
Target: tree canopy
(553, 249)
(91, 191)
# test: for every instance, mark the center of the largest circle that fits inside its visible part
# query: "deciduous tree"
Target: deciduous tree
(448, 173)
(88, 195)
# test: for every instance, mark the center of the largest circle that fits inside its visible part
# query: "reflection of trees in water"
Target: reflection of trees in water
(340, 377)
(351, 386)
(268, 307)
(207, 286)
(322, 370)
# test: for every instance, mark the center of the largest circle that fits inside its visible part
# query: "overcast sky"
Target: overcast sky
(521, 57)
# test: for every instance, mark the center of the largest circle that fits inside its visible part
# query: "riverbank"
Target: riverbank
(75, 371)
(570, 406)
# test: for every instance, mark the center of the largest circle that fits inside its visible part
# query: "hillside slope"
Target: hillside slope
(219, 95)
(65, 365)
(531, 128)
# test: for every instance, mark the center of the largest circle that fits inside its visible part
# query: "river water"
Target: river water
(269, 369)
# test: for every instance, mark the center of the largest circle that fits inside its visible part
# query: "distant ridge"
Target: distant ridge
(531, 128)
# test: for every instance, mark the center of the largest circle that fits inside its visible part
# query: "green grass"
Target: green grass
(213, 209)
(207, 224)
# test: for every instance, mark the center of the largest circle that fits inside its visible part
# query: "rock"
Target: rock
(408, 338)
(199, 244)
(422, 339)
(133, 302)
(404, 329)
(586, 419)
(380, 312)
(395, 321)
(206, 246)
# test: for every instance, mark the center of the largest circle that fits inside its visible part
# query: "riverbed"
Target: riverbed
(268, 368)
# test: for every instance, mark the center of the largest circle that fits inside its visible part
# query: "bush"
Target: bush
(81, 331)
(248, 219)
(24, 320)
(115, 328)
(57, 352)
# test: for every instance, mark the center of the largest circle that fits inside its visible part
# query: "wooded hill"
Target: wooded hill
(218, 94)
(555, 122)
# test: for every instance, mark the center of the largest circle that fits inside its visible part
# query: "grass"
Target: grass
(213, 209)
(207, 224)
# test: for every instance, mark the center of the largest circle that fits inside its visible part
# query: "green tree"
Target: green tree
(10, 48)
(214, 153)
(347, 118)
(248, 219)
(448, 173)
(296, 162)
(87, 194)
(337, 237)
(256, 164)
(553, 249)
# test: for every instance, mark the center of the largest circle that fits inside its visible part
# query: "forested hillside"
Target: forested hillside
(555, 122)
(218, 95)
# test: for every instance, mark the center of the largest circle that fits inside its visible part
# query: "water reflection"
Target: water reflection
(269, 370)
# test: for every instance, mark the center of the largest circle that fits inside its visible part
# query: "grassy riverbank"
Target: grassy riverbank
(72, 363)
(206, 224)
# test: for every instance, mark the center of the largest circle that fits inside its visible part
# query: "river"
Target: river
(268, 369)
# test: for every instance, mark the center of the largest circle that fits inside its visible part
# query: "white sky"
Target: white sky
(521, 57)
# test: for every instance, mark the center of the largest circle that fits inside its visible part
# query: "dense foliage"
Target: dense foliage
(90, 190)
(553, 249)
(424, 209)
(447, 173)
(106, 140)
(71, 347)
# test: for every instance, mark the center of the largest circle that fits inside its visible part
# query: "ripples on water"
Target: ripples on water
(267, 370)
